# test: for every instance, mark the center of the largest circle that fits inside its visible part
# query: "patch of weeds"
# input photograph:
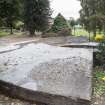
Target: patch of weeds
(99, 88)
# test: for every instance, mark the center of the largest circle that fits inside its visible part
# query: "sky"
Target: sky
(68, 8)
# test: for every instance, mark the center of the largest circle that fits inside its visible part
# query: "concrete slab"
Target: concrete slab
(82, 45)
(48, 74)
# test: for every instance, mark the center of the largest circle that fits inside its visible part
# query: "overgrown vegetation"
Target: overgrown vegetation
(99, 75)
(99, 83)
(100, 55)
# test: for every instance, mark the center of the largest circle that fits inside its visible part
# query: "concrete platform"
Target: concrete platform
(92, 45)
(48, 74)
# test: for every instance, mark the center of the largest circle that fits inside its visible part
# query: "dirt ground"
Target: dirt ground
(99, 100)
(51, 40)
(6, 100)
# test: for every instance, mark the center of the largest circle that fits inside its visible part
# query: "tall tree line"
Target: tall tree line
(34, 13)
(9, 12)
(93, 15)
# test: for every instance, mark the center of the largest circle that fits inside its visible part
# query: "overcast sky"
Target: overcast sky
(68, 8)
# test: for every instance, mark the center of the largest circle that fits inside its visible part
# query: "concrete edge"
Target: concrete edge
(35, 96)
(79, 46)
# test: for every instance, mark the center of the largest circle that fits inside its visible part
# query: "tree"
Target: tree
(72, 23)
(36, 15)
(9, 12)
(93, 14)
(1, 22)
(59, 23)
(88, 10)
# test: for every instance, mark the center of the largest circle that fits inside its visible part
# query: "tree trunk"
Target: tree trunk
(32, 33)
(94, 33)
(11, 30)
(104, 29)
(89, 37)
(74, 30)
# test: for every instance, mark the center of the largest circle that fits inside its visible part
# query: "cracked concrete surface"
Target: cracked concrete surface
(62, 75)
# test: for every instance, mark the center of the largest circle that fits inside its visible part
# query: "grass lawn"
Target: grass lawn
(2, 33)
(81, 32)
(16, 33)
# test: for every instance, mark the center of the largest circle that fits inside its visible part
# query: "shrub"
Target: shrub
(64, 32)
(51, 34)
(99, 38)
(101, 54)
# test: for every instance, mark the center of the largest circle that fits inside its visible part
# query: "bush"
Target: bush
(19, 25)
(51, 34)
(64, 32)
(101, 54)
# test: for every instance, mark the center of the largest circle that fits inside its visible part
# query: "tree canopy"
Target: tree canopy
(93, 14)
(36, 15)
(9, 12)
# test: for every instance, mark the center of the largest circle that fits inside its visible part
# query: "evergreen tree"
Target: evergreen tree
(36, 15)
(60, 23)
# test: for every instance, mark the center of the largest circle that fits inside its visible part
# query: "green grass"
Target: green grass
(2, 33)
(99, 87)
(81, 32)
